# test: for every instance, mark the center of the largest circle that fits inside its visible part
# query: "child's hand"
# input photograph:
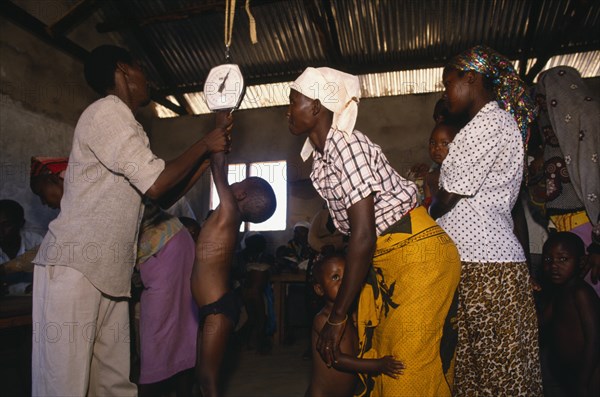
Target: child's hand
(224, 119)
(391, 367)
(219, 139)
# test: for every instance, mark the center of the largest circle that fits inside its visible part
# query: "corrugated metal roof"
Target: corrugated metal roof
(418, 81)
(179, 41)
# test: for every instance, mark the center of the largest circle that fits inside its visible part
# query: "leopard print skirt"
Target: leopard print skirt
(497, 352)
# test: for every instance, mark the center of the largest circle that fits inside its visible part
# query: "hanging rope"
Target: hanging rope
(229, 16)
(252, 23)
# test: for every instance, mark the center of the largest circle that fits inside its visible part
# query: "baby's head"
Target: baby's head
(256, 199)
(563, 254)
(443, 133)
(440, 111)
(328, 273)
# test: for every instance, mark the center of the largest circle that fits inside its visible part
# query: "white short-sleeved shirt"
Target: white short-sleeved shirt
(350, 169)
(110, 167)
(485, 163)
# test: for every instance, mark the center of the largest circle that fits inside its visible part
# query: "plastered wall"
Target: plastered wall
(42, 94)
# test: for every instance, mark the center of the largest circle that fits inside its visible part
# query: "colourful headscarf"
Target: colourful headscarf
(48, 166)
(510, 91)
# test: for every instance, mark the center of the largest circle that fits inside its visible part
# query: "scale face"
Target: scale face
(224, 87)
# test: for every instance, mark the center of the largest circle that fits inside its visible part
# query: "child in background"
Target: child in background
(256, 263)
(341, 379)
(14, 242)
(442, 135)
(251, 200)
(571, 317)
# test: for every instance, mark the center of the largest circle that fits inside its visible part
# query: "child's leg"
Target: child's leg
(212, 342)
(255, 306)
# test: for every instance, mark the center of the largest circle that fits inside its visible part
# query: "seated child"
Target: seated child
(571, 318)
(341, 379)
(251, 200)
(14, 242)
(442, 135)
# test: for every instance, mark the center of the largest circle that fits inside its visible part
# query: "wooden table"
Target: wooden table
(280, 283)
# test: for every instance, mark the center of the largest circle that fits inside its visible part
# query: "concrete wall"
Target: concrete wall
(42, 94)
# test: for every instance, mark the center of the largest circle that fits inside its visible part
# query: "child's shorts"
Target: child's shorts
(227, 305)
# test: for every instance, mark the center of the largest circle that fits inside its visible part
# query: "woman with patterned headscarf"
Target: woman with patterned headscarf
(410, 264)
(497, 352)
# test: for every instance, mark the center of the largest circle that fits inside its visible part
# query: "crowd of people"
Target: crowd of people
(424, 290)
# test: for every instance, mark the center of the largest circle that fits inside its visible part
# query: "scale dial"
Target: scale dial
(224, 87)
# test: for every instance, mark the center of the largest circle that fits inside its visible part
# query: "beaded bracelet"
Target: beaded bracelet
(340, 323)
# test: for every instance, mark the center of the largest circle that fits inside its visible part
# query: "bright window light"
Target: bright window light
(274, 172)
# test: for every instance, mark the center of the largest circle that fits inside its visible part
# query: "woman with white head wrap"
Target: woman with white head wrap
(404, 266)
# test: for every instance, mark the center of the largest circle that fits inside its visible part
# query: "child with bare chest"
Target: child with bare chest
(571, 317)
(251, 200)
(340, 379)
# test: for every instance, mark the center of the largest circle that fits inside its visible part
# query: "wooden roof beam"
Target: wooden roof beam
(39, 29)
(76, 14)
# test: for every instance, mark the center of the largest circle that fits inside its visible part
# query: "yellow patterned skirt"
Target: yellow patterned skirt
(407, 309)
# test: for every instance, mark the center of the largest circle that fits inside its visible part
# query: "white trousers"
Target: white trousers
(80, 341)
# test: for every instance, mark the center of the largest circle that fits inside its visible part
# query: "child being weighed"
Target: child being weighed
(251, 200)
(340, 380)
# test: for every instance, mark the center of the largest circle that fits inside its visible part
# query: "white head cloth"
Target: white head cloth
(337, 91)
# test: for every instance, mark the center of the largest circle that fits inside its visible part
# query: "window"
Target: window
(274, 172)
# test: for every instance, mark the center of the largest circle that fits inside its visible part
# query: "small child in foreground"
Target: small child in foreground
(341, 379)
(251, 200)
(571, 317)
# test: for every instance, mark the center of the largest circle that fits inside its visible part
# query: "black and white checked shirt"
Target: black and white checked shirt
(349, 170)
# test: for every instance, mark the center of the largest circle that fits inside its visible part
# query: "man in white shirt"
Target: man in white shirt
(84, 265)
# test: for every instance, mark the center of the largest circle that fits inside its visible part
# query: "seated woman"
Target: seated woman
(14, 242)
